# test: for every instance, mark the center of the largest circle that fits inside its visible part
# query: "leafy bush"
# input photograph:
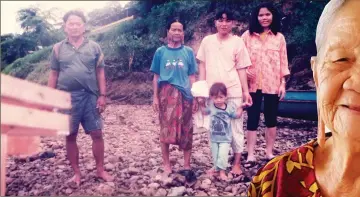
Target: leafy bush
(134, 42)
(40, 73)
(23, 66)
(131, 45)
(14, 47)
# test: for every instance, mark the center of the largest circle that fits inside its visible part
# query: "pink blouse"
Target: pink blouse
(269, 61)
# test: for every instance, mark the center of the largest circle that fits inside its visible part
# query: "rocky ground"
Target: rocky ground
(133, 156)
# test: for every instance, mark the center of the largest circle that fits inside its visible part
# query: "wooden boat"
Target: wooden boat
(298, 105)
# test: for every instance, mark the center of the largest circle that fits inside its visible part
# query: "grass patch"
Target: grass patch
(22, 67)
(40, 73)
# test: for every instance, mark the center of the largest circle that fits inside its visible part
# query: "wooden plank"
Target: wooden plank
(3, 163)
(23, 145)
(27, 105)
(25, 131)
(27, 92)
(13, 117)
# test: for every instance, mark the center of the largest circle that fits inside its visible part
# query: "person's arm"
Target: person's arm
(192, 80)
(243, 80)
(282, 88)
(202, 77)
(243, 61)
(53, 77)
(101, 80)
(204, 109)
(201, 56)
(284, 68)
(155, 86)
(245, 37)
(156, 93)
(54, 67)
(193, 67)
(245, 88)
(202, 71)
(239, 112)
(155, 68)
(202, 67)
(284, 64)
(235, 111)
(100, 75)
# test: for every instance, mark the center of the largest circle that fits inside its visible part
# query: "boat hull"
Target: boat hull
(298, 105)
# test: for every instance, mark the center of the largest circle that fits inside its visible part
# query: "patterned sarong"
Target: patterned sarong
(175, 114)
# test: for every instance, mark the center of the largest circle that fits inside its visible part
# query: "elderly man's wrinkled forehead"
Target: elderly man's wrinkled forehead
(344, 29)
(344, 33)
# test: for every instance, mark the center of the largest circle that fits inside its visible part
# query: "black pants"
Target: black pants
(271, 104)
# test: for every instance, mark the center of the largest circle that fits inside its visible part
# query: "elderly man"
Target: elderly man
(77, 66)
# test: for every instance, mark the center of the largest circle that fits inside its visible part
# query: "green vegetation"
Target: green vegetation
(22, 67)
(134, 42)
(38, 33)
(130, 46)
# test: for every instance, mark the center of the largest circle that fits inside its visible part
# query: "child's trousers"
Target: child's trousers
(220, 154)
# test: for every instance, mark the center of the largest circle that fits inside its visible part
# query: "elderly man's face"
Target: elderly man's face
(337, 72)
(74, 26)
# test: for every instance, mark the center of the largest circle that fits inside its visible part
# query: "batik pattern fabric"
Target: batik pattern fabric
(175, 115)
(291, 174)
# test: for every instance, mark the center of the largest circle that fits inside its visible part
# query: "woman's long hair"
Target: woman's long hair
(255, 26)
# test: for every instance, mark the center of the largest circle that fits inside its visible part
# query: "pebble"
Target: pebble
(123, 149)
(154, 185)
(177, 191)
(160, 192)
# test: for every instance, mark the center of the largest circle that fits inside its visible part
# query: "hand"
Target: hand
(195, 106)
(239, 111)
(101, 103)
(201, 101)
(247, 100)
(282, 91)
(250, 74)
(155, 104)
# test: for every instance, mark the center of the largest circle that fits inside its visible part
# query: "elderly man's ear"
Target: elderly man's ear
(313, 68)
(313, 62)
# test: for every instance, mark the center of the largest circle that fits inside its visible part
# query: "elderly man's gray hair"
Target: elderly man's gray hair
(326, 18)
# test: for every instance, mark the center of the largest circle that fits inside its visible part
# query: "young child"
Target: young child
(220, 112)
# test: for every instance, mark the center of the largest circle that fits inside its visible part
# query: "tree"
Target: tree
(6, 37)
(37, 31)
(14, 47)
(36, 23)
(144, 7)
(112, 12)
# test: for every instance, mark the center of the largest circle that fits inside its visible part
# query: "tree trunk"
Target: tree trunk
(131, 58)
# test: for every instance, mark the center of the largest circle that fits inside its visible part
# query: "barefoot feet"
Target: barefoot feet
(223, 176)
(212, 172)
(105, 176)
(75, 179)
(236, 170)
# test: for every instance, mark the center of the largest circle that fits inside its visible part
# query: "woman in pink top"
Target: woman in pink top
(267, 49)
